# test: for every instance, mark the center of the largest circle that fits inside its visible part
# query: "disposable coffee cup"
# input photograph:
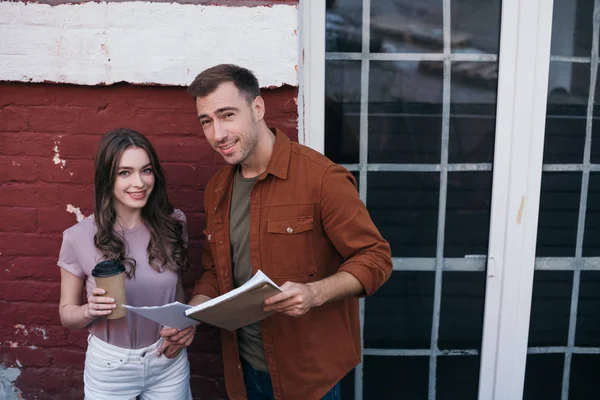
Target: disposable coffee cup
(110, 276)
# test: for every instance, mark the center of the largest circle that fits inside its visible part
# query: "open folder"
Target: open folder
(232, 310)
(239, 307)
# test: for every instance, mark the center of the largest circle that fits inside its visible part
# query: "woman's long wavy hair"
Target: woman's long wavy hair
(167, 249)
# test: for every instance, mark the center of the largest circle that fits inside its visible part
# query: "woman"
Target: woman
(135, 223)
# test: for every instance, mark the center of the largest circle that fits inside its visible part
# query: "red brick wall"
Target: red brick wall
(34, 193)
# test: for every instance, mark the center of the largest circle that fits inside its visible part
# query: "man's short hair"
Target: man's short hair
(210, 79)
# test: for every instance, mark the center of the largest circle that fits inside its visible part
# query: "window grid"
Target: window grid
(477, 263)
(437, 293)
(437, 264)
(586, 167)
(473, 262)
(363, 152)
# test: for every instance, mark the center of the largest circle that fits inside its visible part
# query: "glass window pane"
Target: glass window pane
(475, 26)
(543, 377)
(461, 316)
(467, 213)
(572, 28)
(559, 213)
(343, 29)
(550, 308)
(473, 112)
(595, 150)
(398, 315)
(405, 113)
(404, 26)
(391, 378)
(584, 384)
(404, 206)
(588, 310)
(458, 377)
(566, 113)
(591, 236)
(347, 385)
(342, 111)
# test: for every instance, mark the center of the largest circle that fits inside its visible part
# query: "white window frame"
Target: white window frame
(520, 122)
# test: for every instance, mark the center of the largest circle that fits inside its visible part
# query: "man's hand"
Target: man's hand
(175, 340)
(295, 300)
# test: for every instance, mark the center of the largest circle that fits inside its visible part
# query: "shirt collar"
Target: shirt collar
(280, 158)
(278, 164)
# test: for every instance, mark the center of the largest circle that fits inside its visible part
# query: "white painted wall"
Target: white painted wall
(148, 43)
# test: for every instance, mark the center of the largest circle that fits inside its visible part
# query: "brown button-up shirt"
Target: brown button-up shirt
(307, 222)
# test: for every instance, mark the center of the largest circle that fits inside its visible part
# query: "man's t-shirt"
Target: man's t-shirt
(250, 340)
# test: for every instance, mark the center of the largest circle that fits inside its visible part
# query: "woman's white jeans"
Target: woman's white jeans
(116, 373)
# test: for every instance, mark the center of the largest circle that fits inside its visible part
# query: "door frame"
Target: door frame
(524, 58)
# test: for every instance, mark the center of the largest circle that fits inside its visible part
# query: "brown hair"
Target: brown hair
(210, 79)
(167, 248)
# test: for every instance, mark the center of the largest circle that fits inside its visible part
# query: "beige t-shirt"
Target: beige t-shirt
(78, 255)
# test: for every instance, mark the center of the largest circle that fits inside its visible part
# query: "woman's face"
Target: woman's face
(134, 181)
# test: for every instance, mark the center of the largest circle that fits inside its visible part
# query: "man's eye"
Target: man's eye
(228, 115)
(205, 122)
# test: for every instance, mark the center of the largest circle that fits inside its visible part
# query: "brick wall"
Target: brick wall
(48, 137)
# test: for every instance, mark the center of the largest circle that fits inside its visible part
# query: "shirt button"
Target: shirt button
(209, 237)
(289, 229)
(220, 242)
(239, 366)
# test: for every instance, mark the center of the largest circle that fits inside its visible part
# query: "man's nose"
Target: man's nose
(220, 131)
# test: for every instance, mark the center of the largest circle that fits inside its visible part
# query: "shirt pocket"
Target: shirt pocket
(291, 244)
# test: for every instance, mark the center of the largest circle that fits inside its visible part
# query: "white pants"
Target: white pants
(116, 373)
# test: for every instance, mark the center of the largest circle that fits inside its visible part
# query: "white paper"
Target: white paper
(170, 315)
(258, 279)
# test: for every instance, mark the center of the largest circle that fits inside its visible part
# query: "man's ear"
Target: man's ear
(258, 106)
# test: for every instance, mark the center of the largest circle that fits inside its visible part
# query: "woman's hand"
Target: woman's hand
(98, 305)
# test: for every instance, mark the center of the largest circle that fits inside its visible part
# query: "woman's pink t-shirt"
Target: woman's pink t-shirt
(78, 255)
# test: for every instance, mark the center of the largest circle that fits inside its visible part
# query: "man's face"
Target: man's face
(229, 123)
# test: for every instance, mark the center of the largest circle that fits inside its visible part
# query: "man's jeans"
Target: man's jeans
(258, 385)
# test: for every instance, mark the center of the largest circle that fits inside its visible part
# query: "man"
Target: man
(289, 211)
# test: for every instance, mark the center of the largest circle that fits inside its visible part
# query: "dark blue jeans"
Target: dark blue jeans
(258, 385)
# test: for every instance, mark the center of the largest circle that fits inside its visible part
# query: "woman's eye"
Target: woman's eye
(124, 173)
(147, 170)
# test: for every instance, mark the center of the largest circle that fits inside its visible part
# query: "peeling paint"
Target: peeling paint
(42, 330)
(57, 160)
(19, 363)
(75, 210)
(103, 42)
(520, 213)
(8, 391)
(16, 164)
